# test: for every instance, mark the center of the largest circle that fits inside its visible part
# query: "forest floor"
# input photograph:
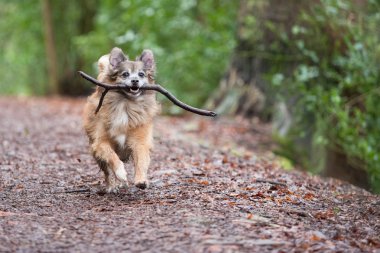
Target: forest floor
(215, 187)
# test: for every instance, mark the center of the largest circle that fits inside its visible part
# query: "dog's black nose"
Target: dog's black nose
(135, 83)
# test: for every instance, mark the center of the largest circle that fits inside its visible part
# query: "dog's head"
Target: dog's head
(117, 68)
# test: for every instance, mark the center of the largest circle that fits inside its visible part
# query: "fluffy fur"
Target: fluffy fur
(123, 126)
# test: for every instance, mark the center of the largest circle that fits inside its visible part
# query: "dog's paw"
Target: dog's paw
(123, 185)
(142, 185)
(112, 190)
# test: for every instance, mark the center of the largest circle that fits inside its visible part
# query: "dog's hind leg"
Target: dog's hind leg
(112, 184)
(111, 165)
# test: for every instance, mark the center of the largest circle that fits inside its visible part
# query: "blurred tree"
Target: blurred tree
(261, 23)
(51, 54)
(71, 18)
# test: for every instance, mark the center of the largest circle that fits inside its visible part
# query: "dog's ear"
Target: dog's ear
(148, 59)
(116, 57)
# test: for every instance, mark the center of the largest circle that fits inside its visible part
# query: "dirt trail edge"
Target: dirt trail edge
(204, 195)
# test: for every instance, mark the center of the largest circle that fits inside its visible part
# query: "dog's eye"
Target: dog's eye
(141, 74)
(125, 74)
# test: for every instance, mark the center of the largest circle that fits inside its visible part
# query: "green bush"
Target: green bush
(22, 60)
(336, 80)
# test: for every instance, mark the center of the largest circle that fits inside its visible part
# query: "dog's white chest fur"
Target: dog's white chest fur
(119, 124)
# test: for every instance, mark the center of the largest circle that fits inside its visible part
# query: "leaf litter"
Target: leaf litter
(215, 187)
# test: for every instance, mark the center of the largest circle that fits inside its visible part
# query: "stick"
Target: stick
(77, 191)
(155, 87)
(270, 182)
(72, 191)
(101, 100)
(295, 211)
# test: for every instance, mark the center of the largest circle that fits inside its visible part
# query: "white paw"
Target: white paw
(123, 185)
(112, 189)
(120, 173)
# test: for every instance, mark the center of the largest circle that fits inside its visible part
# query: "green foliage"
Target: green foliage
(336, 80)
(192, 40)
(22, 53)
(23, 67)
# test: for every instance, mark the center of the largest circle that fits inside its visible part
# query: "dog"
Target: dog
(123, 127)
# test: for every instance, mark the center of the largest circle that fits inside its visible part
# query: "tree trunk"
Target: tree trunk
(69, 83)
(64, 20)
(341, 166)
(243, 90)
(51, 54)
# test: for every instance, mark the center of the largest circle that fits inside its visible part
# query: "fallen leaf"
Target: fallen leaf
(4, 214)
(204, 182)
(308, 196)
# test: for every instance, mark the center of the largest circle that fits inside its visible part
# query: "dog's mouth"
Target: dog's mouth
(132, 92)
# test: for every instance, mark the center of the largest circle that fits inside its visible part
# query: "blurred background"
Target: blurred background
(311, 68)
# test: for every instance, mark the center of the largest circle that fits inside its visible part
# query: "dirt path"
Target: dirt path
(204, 196)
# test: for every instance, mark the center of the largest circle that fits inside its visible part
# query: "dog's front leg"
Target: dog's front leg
(141, 143)
(110, 163)
(141, 160)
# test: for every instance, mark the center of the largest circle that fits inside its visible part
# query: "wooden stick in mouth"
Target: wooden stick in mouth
(155, 87)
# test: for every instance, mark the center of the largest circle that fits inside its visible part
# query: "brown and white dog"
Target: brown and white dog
(123, 126)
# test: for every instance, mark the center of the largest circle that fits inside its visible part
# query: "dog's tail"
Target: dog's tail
(103, 65)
